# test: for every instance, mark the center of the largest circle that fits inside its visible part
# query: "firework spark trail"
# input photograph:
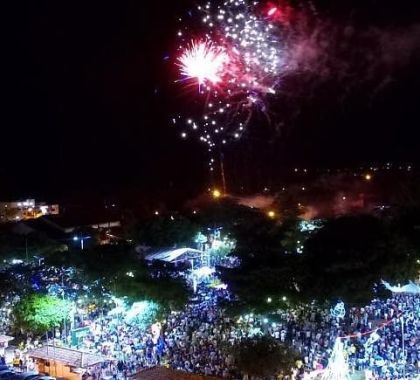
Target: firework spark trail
(247, 54)
(236, 64)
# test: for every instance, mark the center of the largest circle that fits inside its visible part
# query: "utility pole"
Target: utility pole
(62, 289)
(26, 249)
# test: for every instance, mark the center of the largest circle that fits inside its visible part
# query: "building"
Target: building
(69, 229)
(25, 210)
(64, 362)
(70, 224)
(162, 373)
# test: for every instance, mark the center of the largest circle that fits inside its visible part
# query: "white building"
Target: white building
(25, 209)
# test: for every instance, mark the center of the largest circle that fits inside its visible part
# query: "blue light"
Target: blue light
(75, 238)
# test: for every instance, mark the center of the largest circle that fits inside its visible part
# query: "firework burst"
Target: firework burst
(237, 63)
(203, 62)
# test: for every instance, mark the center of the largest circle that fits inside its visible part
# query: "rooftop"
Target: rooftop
(65, 221)
(5, 338)
(173, 255)
(73, 358)
(162, 373)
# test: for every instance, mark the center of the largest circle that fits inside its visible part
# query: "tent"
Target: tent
(175, 255)
(410, 288)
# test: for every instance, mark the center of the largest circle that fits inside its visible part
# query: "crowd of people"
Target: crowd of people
(372, 336)
(195, 339)
(382, 339)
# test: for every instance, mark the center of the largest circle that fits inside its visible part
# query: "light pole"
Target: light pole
(62, 293)
(193, 276)
(403, 345)
(82, 239)
(26, 249)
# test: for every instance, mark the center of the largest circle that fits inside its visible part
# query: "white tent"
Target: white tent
(175, 255)
(410, 288)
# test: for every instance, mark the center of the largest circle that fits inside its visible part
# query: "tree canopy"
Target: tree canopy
(350, 255)
(40, 313)
(345, 260)
(8, 284)
(263, 356)
(169, 293)
(17, 246)
(227, 214)
(124, 274)
(164, 231)
(266, 272)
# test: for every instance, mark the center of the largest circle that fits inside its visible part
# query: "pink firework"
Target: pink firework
(204, 62)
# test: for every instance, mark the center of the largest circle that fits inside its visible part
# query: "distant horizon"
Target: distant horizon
(174, 197)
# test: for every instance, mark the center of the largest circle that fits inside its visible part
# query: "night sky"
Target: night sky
(88, 94)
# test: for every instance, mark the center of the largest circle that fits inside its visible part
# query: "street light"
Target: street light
(216, 194)
(82, 239)
(271, 214)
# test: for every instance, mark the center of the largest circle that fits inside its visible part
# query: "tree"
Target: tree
(288, 202)
(40, 313)
(119, 270)
(293, 236)
(139, 285)
(262, 357)
(349, 256)
(143, 314)
(164, 231)
(227, 214)
(407, 223)
(346, 260)
(18, 246)
(265, 275)
(261, 288)
(8, 284)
